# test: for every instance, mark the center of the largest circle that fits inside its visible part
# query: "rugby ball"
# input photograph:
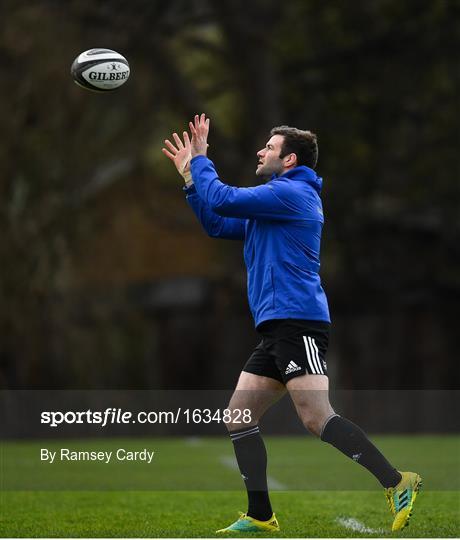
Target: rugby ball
(100, 70)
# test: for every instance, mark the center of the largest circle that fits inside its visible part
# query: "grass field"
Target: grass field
(191, 488)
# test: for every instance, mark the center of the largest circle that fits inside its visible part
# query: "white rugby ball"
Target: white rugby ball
(100, 70)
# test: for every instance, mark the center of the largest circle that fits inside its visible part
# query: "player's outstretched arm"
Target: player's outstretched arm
(180, 155)
(216, 226)
(266, 201)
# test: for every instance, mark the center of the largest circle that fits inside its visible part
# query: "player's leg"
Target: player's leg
(254, 393)
(300, 351)
(310, 396)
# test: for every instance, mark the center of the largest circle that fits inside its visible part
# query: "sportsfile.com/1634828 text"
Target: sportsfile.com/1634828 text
(113, 415)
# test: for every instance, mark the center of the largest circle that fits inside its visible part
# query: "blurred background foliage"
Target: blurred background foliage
(107, 281)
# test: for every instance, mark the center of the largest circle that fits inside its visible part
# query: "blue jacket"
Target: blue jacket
(280, 223)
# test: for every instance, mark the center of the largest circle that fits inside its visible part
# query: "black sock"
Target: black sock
(353, 442)
(252, 460)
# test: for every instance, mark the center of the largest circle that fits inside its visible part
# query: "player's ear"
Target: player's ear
(290, 160)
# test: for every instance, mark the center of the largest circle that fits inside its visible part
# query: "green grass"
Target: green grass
(181, 493)
(199, 514)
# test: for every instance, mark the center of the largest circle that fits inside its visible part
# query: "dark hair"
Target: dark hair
(303, 144)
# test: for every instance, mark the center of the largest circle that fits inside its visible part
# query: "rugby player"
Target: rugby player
(280, 223)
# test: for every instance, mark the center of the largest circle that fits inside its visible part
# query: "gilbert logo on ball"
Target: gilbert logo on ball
(100, 70)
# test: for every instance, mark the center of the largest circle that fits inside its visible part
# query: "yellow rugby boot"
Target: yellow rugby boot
(246, 523)
(401, 499)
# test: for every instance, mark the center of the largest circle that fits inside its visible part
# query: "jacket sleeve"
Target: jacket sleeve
(270, 201)
(216, 226)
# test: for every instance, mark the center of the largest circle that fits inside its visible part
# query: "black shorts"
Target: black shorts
(289, 348)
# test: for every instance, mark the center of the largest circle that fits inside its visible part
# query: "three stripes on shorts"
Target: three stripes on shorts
(314, 361)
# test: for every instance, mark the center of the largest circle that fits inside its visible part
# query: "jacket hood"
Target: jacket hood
(303, 173)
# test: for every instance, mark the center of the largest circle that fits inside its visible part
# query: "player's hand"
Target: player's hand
(179, 153)
(199, 129)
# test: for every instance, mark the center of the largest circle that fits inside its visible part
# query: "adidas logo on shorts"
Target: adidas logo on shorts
(292, 366)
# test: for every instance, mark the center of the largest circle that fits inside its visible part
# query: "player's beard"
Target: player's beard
(268, 169)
